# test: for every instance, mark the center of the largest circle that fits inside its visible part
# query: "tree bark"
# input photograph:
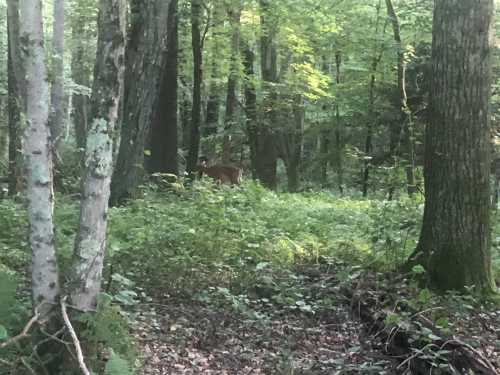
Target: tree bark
(105, 103)
(214, 87)
(400, 130)
(251, 106)
(292, 143)
(16, 94)
(57, 115)
(234, 14)
(144, 59)
(38, 159)
(339, 141)
(196, 42)
(454, 244)
(377, 56)
(164, 129)
(324, 152)
(266, 156)
(81, 73)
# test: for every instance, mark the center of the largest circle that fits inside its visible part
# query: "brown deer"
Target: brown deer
(222, 174)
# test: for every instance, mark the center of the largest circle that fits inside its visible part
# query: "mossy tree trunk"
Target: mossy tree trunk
(105, 103)
(454, 243)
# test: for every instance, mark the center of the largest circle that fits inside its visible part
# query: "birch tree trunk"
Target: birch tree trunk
(105, 103)
(38, 159)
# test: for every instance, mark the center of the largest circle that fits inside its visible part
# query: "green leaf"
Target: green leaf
(3, 333)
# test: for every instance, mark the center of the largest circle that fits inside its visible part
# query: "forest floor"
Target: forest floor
(189, 337)
(183, 337)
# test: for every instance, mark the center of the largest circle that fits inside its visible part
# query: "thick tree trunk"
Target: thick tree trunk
(251, 106)
(57, 116)
(454, 244)
(38, 159)
(144, 59)
(266, 156)
(164, 129)
(196, 41)
(232, 82)
(16, 102)
(105, 103)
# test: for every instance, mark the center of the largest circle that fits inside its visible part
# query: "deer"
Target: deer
(222, 174)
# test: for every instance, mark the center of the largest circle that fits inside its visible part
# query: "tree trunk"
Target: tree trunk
(232, 82)
(213, 108)
(196, 41)
(214, 87)
(185, 114)
(80, 74)
(377, 56)
(324, 152)
(266, 156)
(144, 59)
(454, 244)
(38, 159)
(251, 106)
(401, 129)
(339, 142)
(16, 102)
(164, 129)
(57, 111)
(294, 140)
(105, 103)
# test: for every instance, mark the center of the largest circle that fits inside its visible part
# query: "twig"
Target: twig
(24, 333)
(485, 362)
(76, 342)
(6, 363)
(28, 366)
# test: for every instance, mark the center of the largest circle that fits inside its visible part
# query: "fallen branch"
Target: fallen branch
(399, 340)
(25, 332)
(76, 342)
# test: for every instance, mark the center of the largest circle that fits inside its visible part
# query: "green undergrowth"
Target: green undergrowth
(187, 240)
(243, 248)
(184, 242)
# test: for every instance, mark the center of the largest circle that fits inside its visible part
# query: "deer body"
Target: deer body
(223, 174)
